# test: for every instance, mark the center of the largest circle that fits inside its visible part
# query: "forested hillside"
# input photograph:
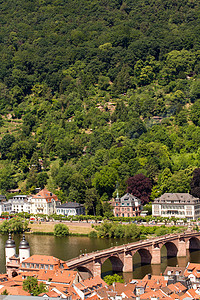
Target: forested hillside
(94, 92)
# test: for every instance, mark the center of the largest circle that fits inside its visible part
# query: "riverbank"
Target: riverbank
(74, 228)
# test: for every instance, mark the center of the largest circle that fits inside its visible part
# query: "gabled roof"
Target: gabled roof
(64, 276)
(194, 269)
(45, 194)
(14, 290)
(173, 270)
(177, 196)
(129, 197)
(42, 259)
(90, 283)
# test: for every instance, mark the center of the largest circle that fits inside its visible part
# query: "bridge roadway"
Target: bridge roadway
(149, 250)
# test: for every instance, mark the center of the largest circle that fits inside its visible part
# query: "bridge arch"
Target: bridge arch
(194, 244)
(172, 249)
(145, 256)
(84, 272)
(117, 264)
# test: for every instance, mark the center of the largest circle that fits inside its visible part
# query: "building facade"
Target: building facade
(5, 207)
(179, 205)
(127, 206)
(20, 203)
(70, 209)
(44, 202)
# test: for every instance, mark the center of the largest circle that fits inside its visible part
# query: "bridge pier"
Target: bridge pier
(96, 268)
(181, 248)
(156, 255)
(128, 263)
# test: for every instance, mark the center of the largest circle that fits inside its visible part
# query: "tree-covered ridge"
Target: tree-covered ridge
(40, 39)
(95, 92)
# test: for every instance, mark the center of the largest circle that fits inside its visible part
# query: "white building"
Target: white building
(179, 205)
(20, 203)
(44, 202)
(5, 207)
(70, 209)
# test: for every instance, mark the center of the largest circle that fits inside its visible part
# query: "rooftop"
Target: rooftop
(45, 194)
(70, 205)
(177, 198)
(42, 259)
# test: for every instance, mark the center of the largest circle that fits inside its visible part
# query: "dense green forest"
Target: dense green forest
(94, 92)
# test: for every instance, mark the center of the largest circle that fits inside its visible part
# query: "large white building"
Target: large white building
(179, 205)
(20, 203)
(44, 202)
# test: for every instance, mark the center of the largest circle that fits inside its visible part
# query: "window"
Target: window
(41, 266)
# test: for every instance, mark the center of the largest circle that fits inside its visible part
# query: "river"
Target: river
(69, 247)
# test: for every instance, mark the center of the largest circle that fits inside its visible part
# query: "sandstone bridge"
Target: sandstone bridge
(121, 257)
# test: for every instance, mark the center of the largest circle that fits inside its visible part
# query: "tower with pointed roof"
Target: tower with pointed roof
(24, 249)
(10, 248)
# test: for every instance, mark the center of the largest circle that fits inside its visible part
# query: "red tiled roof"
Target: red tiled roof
(42, 259)
(91, 282)
(64, 276)
(14, 290)
(195, 270)
(45, 194)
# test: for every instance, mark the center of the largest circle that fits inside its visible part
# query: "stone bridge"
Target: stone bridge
(121, 257)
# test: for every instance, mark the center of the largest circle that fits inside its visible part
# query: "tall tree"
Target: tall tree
(140, 186)
(30, 284)
(195, 183)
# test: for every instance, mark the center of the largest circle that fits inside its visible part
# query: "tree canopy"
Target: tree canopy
(95, 93)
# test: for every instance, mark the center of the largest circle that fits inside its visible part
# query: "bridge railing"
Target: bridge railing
(130, 246)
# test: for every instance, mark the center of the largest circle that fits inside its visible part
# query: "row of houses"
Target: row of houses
(44, 202)
(178, 205)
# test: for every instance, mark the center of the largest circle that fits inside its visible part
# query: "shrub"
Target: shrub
(93, 234)
(110, 279)
(61, 230)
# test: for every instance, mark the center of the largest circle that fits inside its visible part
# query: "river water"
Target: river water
(69, 247)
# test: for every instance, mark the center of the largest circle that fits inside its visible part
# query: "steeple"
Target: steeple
(24, 249)
(10, 243)
(24, 244)
(10, 248)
